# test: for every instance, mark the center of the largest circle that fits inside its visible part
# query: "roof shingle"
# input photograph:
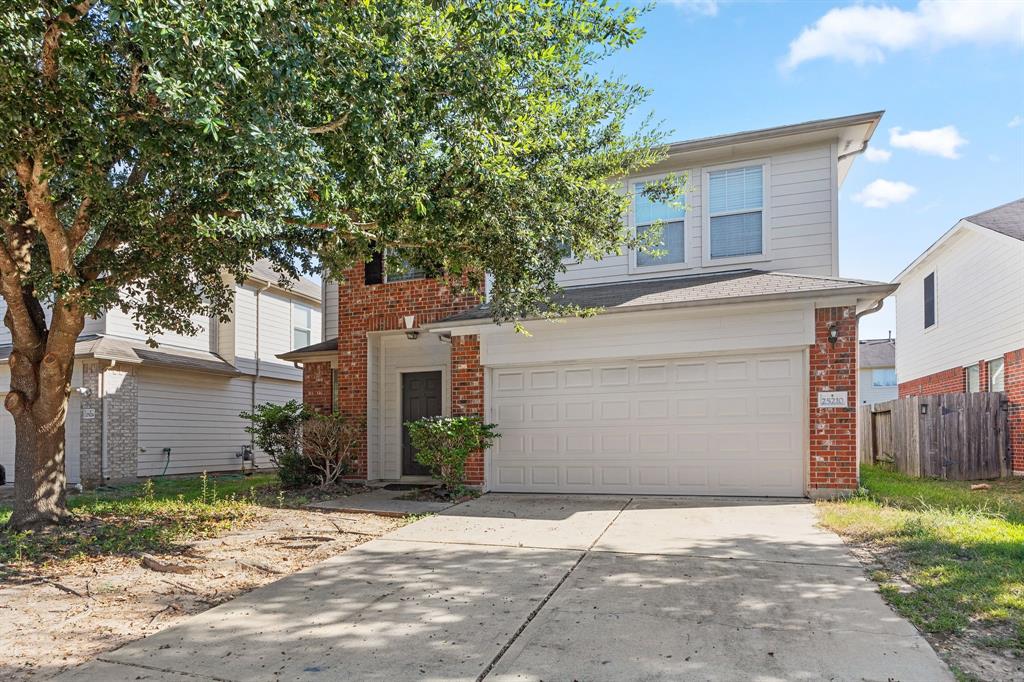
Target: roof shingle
(1007, 219)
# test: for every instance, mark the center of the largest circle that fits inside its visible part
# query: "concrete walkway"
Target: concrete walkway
(517, 587)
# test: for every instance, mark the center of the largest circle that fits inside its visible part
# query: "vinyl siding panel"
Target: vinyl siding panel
(979, 309)
(869, 395)
(275, 332)
(329, 306)
(801, 233)
(197, 416)
(120, 324)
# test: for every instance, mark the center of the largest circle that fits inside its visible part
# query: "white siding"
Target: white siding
(275, 331)
(197, 416)
(800, 223)
(120, 324)
(652, 334)
(400, 354)
(329, 306)
(869, 395)
(979, 309)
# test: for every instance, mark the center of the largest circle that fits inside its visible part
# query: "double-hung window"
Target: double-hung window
(736, 211)
(996, 375)
(973, 375)
(302, 325)
(670, 217)
(883, 377)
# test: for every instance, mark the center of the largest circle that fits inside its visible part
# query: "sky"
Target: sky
(950, 77)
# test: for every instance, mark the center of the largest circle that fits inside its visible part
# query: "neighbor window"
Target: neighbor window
(379, 270)
(302, 325)
(670, 217)
(929, 300)
(883, 378)
(973, 378)
(736, 211)
(996, 377)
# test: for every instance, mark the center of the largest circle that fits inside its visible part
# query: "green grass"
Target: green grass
(152, 516)
(961, 551)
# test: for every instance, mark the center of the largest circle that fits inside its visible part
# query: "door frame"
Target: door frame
(446, 406)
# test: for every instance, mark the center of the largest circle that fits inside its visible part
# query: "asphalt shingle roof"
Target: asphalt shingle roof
(135, 351)
(877, 353)
(723, 286)
(1007, 219)
(263, 270)
(317, 348)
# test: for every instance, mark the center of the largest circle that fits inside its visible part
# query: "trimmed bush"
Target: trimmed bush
(444, 444)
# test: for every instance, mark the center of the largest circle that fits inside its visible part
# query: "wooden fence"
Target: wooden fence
(956, 436)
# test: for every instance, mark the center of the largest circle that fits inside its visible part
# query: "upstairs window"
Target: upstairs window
(379, 270)
(302, 325)
(671, 218)
(929, 301)
(996, 375)
(883, 378)
(736, 212)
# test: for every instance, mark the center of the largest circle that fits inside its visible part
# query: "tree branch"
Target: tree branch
(328, 127)
(40, 205)
(51, 38)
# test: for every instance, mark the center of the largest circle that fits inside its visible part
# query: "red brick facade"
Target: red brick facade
(468, 394)
(318, 387)
(366, 308)
(955, 381)
(833, 431)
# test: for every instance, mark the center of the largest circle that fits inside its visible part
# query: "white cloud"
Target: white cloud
(938, 142)
(877, 155)
(1016, 121)
(707, 8)
(882, 193)
(863, 34)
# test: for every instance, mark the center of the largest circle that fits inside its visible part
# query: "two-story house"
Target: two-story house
(174, 409)
(877, 363)
(960, 315)
(725, 365)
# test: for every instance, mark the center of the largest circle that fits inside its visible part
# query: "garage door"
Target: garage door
(724, 425)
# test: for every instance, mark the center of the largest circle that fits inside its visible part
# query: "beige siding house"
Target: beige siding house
(876, 382)
(174, 409)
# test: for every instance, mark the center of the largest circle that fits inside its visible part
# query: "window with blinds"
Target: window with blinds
(736, 212)
(670, 218)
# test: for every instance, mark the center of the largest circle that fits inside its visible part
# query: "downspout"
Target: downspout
(256, 377)
(104, 405)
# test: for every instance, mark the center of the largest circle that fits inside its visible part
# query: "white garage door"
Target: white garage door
(724, 425)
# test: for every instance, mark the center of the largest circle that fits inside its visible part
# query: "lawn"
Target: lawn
(152, 516)
(952, 557)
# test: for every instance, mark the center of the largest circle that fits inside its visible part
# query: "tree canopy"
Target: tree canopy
(149, 148)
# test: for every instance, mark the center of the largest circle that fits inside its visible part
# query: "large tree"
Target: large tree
(150, 150)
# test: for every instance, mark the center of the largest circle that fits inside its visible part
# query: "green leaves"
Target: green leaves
(473, 136)
(444, 445)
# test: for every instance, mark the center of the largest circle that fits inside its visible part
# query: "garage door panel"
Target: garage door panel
(731, 425)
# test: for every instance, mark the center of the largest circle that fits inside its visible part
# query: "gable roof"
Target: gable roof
(736, 286)
(263, 271)
(877, 353)
(137, 352)
(1007, 219)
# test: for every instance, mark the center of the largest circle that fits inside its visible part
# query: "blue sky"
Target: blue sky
(721, 67)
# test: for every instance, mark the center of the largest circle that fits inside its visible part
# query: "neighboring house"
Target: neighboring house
(960, 315)
(877, 361)
(702, 375)
(174, 409)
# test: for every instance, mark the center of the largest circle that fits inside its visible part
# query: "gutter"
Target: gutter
(882, 290)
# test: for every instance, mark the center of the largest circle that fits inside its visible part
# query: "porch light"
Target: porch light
(833, 334)
(410, 323)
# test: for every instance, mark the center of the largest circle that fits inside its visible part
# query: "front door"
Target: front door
(421, 397)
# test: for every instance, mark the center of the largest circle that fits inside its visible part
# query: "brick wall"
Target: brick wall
(947, 381)
(468, 394)
(1013, 368)
(318, 386)
(121, 386)
(382, 307)
(833, 431)
(954, 380)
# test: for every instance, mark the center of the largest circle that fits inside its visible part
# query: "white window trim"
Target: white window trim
(297, 327)
(925, 329)
(705, 189)
(688, 262)
(967, 378)
(990, 374)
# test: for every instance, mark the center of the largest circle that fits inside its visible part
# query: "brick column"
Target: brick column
(833, 431)
(982, 377)
(318, 387)
(468, 394)
(1013, 374)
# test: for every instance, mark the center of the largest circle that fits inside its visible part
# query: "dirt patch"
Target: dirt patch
(976, 652)
(53, 618)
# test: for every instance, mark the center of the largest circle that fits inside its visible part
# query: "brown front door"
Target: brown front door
(421, 397)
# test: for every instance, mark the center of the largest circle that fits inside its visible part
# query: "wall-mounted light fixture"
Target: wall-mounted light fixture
(833, 334)
(410, 324)
(924, 408)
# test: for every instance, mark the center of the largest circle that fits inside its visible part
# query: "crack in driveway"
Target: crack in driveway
(551, 593)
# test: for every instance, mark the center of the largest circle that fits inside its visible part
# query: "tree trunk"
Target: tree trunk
(38, 401)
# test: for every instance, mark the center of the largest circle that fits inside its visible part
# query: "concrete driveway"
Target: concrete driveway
(530, 587)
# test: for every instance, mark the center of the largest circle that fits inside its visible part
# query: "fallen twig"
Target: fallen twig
(154, 564)
(260, 567)
(181, 586)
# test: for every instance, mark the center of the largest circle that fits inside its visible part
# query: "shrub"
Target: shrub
(277, 430)
(328, 445)
(443, 444)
